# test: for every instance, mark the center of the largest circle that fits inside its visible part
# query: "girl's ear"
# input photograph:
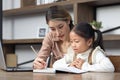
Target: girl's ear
(89, 42)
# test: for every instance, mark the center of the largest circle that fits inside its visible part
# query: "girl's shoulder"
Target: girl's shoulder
(98, 54)
(98, 50)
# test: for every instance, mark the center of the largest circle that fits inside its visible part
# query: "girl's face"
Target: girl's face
(60, 29)
(78, 43)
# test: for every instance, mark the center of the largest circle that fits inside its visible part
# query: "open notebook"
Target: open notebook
(61, 69)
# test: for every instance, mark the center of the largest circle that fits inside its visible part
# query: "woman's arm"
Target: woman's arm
(46, 48)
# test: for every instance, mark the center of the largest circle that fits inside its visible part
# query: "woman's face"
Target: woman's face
(78, 43)
(60, 29)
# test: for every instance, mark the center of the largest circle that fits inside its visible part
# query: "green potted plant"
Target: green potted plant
(96, 24)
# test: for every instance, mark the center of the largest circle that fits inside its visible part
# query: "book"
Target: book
(70, 70)
(61, 69)
(46, 70)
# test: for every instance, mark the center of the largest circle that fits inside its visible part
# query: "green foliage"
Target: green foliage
(96, 24)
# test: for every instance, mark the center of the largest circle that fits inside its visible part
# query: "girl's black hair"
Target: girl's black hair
(58, 13)
(86, 31)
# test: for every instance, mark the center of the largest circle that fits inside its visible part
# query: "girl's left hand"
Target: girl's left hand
(77, 63)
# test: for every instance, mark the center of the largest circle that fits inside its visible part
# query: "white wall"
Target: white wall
(7, 28)
(10, 4)
(110, 17)
(28, 26)
(25, 53)
(7, 4)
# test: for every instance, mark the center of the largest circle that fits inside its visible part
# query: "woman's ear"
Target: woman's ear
(68, 22)
(89, 42)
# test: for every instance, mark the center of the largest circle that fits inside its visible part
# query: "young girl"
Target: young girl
(86, 51)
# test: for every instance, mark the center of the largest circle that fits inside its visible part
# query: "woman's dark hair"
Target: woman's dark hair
(58, 13)
(86, 31)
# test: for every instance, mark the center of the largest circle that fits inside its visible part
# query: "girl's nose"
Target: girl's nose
(72, 44)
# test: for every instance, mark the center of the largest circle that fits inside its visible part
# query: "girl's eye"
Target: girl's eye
(77, 41)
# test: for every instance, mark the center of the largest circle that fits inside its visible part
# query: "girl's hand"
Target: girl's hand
(77, 63)
(39, 63)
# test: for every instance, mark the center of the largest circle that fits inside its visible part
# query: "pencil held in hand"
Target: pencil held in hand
(47, 61)
(33, 50)
(42, 63)
(39, 63)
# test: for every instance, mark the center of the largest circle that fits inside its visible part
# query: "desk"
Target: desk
(58, 76)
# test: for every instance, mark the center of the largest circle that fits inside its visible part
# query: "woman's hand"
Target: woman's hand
(77, 63)
(39, 63)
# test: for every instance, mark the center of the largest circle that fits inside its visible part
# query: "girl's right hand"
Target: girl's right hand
(39, 63)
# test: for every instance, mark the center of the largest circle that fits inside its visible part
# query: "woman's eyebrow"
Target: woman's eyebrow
(56, 26)
(59, 25)
(51, 27)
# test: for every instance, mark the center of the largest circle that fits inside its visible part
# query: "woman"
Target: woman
(57, 40)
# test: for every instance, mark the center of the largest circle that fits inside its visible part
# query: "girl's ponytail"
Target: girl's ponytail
(98, 41)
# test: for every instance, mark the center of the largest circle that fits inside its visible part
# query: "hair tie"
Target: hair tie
(95, 32)
(96, 36)
(94, 27)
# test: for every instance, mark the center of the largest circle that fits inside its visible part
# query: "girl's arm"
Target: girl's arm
(60, 63)
(66, 60)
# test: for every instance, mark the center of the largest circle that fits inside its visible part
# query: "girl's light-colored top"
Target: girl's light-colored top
(50, 45)
(100, 63)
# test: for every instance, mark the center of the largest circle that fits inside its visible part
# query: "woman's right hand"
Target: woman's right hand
(39, 63)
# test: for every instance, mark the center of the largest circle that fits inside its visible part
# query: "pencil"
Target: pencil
(33, 50)
(47, 61)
